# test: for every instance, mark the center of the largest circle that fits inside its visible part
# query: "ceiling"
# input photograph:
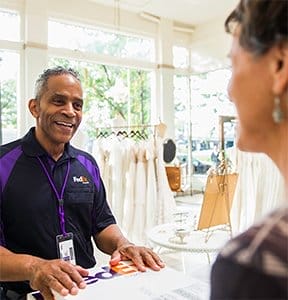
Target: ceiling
(192, 12)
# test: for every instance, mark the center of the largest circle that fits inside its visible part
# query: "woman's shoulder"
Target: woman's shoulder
(263, 246)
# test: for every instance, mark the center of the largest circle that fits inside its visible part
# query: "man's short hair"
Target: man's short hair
(41, 82)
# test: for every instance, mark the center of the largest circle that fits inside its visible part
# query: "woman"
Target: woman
(254, 265)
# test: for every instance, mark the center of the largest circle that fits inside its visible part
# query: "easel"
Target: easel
(217, 203)
(219, 193)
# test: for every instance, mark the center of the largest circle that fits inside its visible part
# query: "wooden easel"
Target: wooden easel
(219, 192)
(217, 202)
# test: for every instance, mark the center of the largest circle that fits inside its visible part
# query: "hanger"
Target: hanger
(138, 135)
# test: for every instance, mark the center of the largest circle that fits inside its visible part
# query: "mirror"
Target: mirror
(226, 132)
(169, 150)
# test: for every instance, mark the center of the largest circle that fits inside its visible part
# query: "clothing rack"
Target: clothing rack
(128, 126)
(134, 177)
(158, 129)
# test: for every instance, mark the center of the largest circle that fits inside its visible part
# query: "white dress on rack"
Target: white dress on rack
(136, 184)
(125, 165)
(102, 156)
(138, 233)
(107, 173)
(166, 202)
(98, 154)
(151, 195)
(129, 205)
(118, 167)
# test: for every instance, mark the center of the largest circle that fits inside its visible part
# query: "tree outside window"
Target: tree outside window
(111, 91)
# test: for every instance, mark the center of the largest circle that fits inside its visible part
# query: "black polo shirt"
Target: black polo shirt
(29, 206)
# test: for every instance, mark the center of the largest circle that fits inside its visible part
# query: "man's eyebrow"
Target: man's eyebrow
(79, 99)
(64, 96)
(58, 94)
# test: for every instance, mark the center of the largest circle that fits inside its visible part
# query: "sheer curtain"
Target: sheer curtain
(260, 189)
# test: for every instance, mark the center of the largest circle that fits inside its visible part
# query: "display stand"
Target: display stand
(219, 191)
(217, 202)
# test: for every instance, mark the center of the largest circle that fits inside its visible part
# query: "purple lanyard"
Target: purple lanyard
(59, 196)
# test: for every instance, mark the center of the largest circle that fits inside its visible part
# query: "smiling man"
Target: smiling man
(53, 201)
(55, 95)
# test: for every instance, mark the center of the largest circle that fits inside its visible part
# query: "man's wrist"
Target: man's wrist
(125, 244)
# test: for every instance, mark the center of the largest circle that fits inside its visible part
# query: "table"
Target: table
(163, 236)
(124, 281)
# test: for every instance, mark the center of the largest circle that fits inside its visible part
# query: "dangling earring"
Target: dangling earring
(277, 113)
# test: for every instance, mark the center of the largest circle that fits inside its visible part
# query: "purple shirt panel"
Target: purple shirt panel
(7, 163)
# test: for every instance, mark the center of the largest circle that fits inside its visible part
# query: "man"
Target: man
(53, 200)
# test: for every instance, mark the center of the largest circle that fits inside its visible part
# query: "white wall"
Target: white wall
(212, 44)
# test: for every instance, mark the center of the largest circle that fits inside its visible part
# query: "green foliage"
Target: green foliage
(8, 104)
(99, 84)
(140, 94)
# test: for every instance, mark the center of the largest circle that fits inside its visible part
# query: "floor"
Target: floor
(195, 265)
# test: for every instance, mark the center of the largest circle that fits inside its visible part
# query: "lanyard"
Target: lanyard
(59, 196)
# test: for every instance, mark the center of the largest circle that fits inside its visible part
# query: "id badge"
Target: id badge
(65, 247)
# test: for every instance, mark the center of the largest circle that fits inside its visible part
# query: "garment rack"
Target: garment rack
(155, 126)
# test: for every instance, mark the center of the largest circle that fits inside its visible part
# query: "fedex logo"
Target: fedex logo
(111, 272)
(104, 274)
(80, 179)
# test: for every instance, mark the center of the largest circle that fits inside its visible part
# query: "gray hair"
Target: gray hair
(41, 82)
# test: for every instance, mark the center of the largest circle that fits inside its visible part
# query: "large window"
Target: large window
(182, 114)
(87, 39)
(209, 100)
(199, 102)
(111, 91)
(180, 57)
(9, 26)
(9, 74)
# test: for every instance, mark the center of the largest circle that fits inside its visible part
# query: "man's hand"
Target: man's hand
(142, 257)
(61, 276)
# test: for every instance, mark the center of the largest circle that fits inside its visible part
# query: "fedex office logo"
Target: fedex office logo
(81, 179)
(111, 272)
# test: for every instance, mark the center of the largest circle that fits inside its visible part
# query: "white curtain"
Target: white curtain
(260, 189)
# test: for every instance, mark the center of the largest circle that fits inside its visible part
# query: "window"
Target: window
(9, 26)
(9, 69)
(87, 39)
(198, 105)
(181, 108)
(9, 73)
(111, 91)
(209, 100)
(180, 57)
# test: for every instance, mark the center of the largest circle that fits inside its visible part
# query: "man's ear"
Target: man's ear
(280, 70)
(34, 107)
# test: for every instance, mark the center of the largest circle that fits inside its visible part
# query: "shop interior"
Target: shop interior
(155, 76)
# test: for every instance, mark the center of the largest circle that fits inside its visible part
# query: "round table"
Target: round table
(196, 241)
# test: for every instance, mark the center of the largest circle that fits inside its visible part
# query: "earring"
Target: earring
(277, 113)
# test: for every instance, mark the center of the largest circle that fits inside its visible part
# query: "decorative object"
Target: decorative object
(174, 177)
(277, 113)
(182, 229)
(219, 191)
